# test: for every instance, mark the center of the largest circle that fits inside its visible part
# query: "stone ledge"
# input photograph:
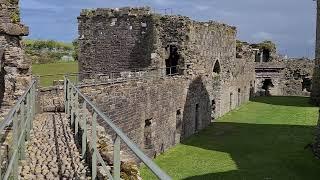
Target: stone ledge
(14, 29)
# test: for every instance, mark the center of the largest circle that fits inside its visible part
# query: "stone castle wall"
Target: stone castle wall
(15, 72)
(315, 95)
(208, 80)
(297, 80)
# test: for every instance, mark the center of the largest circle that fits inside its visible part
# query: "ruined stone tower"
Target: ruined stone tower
(316, 80)
(15, 71)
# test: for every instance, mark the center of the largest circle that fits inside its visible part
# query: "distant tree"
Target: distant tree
(75, 53)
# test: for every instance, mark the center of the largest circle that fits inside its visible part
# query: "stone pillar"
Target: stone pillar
(315, 95)
(15, 71)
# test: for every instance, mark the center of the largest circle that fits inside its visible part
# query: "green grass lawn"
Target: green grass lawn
(262, 140)
(53, 69)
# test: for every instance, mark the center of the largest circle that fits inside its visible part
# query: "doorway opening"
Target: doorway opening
(197, 119)
(148, 134)
(266, 55)
(267, 85)
(307, 84)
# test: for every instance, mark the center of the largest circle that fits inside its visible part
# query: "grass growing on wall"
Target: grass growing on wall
(263, 139)
(53, 68)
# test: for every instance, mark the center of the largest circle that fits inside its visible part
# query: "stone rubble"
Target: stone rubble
(52, 152)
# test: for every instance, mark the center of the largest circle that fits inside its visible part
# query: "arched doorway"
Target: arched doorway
(267, 85)
(216, 67)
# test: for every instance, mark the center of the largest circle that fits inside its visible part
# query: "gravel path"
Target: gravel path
(52, 152)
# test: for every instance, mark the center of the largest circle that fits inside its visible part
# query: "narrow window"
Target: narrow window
(239, 97)
(230, 101)
(266, 55)
(172, 61)
(257, 56)
(147, 134)
(216, 67)
(197, 118)
(213, 109)
(178, 126)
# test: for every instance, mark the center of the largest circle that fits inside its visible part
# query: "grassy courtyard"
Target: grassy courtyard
(53, 69)
(262, 140)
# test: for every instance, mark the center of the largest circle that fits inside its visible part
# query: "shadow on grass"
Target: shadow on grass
(260, 151)
(297, 101)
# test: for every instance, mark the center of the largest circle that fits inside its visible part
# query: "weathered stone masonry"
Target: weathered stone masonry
(316, 81)
(15, 71)
(197, 76)
(275, 75)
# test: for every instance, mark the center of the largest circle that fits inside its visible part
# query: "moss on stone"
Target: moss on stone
(239, 44)
(12, 2)
(268, 45)
(15, 16)
(88, 12)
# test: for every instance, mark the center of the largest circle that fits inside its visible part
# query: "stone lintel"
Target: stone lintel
(14, 29)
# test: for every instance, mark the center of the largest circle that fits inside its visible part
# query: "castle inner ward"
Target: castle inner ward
(159, 78)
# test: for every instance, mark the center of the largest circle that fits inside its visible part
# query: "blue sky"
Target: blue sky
(289, 23)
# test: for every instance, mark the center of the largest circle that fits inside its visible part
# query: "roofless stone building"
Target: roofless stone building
(196, 75)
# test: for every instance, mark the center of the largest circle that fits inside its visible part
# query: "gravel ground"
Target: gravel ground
(52, 152)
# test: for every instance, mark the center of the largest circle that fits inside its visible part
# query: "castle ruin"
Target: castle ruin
(197, 75)
(316, 81)
(15, 69)
(199, 72)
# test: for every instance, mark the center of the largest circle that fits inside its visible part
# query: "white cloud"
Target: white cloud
(163, 2)
(262, 36)
(202, 7)
(311, 41)
(37, 5)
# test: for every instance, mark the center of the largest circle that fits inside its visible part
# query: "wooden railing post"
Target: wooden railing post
(84, 128)
(116, 158)
(15, 144)
(72, 107)
(94, 146)
(22, 126)
(69, 99)
(65, 94)
(28, 116)
(77, 117)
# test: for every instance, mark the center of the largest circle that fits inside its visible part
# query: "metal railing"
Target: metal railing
(19, 120)
(79, 123)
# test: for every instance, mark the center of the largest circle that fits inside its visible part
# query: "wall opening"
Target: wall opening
(173, 60)
(267, 85)
(213, 109)
(197, 118)
(266, 55)
(307, 84)
(251, 95)
(216, 67)
(230, 105)
(257, 56)
(178, 126)
(148, 134)
(2, 83)
(239, 97)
